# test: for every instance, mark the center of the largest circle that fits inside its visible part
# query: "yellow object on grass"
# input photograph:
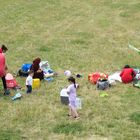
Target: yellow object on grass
(36, 83)
(103, 94)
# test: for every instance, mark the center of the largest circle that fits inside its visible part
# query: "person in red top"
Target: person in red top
(3, 66)
(127, 74)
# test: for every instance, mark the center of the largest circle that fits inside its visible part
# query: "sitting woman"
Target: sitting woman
(38, 73)
(127, 74)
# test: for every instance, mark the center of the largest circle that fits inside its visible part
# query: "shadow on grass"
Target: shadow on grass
(135, 117)
(68, 128)
(9, 135)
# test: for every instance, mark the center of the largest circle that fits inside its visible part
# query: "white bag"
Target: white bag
(78, 103)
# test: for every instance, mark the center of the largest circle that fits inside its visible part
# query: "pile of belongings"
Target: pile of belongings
(47, 71)
(94, 77)
(100, 79)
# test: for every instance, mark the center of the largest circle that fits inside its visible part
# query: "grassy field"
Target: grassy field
(83, 36)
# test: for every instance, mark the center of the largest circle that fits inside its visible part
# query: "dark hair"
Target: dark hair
(72, 79)
(30, 72)
(4, 48)
(126, 66)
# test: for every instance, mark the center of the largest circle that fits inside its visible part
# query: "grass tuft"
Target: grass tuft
(135, 117)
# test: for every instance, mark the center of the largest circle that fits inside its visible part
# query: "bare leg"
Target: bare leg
(74, 112)
(70, 111)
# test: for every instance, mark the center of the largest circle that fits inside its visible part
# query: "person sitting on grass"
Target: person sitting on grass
(38, 73)
(29, 81)
(71, 90)
(127, 74)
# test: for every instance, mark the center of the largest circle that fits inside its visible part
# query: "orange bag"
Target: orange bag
(94, 77)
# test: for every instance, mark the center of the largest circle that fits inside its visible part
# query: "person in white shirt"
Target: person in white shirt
(29, 81)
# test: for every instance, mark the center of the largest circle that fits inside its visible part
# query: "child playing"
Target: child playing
(29, 81)
(71, 90)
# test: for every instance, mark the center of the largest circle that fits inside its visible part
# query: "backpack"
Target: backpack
(22, 73)
(102, 84)
(26, 67)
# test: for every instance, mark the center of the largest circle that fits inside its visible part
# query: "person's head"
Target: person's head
(4, 48)
(126, 66)
(72, 80)
(31, 73)
(37, 60)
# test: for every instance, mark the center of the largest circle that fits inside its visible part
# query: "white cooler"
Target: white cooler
(64, 97)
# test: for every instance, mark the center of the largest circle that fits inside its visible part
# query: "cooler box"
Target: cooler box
(64, 97)
(36, 83)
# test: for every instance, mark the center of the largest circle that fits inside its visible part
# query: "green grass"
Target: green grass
(135, 117)
(83, 36)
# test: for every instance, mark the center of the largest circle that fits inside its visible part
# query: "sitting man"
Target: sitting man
(127, 74)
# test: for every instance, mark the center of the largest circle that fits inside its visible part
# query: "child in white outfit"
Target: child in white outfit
(29, 81)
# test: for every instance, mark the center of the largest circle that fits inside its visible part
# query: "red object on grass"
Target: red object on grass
(10, 81)
(94, 77)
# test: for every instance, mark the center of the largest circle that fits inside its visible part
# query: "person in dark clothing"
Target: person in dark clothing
(38, 73)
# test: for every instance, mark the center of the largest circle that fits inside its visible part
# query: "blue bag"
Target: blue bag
(26, 67)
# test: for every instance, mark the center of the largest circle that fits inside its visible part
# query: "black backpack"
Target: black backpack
(22, 73)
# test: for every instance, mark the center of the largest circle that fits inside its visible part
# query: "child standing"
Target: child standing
(29, 81)
(71, 90)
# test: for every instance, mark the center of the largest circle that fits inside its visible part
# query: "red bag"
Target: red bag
(10, 81)
(94, 77)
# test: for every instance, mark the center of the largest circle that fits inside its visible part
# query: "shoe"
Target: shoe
(68, 115)
(77, 117)
(55, 74)
(7, 92)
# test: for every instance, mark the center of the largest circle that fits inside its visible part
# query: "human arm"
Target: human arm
(68, 89)
(121, 73)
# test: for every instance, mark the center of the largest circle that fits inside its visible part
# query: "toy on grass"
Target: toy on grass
(67, 73)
